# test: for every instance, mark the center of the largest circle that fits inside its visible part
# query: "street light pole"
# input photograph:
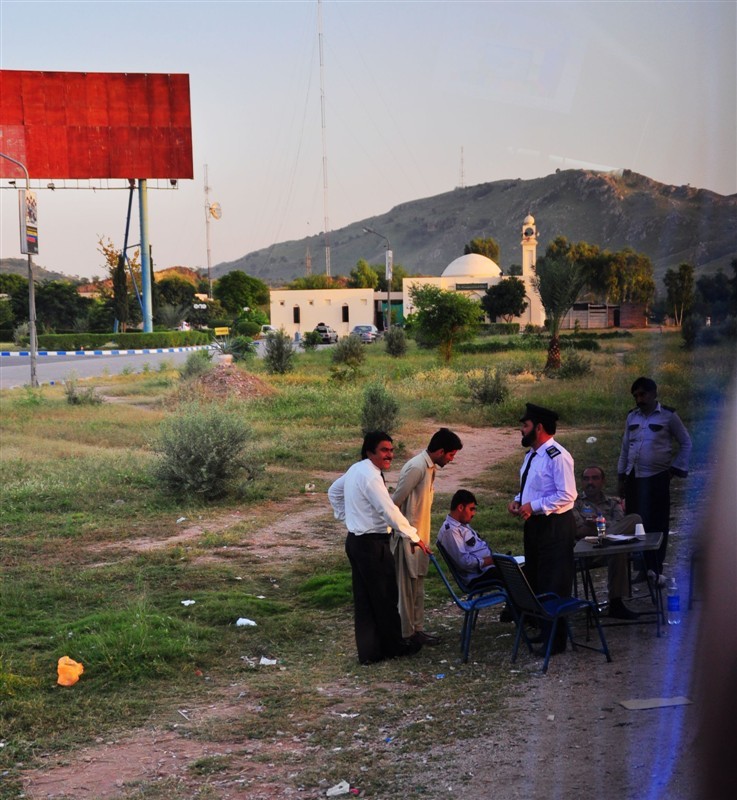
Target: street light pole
(389, 269)
(31, 287)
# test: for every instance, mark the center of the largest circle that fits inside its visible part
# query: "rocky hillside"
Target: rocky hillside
(613, 210)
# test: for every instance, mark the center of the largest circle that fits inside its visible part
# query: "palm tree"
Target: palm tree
(559, 280)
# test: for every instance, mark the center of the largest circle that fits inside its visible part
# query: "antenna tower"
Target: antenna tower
(324, 142)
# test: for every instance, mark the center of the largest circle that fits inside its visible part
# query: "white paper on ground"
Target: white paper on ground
(655, 702)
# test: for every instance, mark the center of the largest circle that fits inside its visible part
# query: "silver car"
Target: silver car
(366, 333)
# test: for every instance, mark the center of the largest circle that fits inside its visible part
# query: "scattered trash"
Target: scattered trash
(654, 702)
(345, 716)
(181, 519)
(68, 671)
(356, 792)
(179, 711)
(340, 788)
(309, 487)
(388, 739)
(440, 676)
(267, 662)
(591, 440)
(242, 621)
(237, 578)
(188, 602)
(551, 717)
(261, 597)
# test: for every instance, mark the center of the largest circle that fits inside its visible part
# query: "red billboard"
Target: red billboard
(90, 125)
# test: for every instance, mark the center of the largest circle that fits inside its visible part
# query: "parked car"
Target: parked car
(366, 333)
(329, 336)
(266, 330)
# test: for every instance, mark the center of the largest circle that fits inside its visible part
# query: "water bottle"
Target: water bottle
(674, 603)
(600, 528)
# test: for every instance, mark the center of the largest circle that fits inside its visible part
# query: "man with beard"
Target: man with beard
(647, 464)
(545, 503)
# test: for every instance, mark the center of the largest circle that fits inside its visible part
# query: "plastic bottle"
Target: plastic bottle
(674, 603)
(600, 528)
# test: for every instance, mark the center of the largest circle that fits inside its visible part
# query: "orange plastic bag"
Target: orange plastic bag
(69, 671)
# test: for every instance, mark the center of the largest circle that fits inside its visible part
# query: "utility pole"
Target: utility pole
(324, 142)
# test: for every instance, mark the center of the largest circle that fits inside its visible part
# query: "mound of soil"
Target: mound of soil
(227, 380)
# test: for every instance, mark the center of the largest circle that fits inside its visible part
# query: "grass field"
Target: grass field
(77, 487)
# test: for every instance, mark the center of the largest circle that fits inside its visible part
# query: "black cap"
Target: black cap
(539, 414)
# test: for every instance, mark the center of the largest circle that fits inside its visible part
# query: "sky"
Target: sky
(419, 98)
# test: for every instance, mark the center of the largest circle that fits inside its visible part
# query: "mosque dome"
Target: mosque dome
(529, 220)
(472, 265)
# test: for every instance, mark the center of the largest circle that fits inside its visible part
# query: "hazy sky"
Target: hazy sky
(522, 87)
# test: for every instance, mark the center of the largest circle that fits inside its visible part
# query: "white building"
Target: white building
(473, 274)
(299, 310)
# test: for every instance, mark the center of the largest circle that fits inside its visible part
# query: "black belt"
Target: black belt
(350, 533)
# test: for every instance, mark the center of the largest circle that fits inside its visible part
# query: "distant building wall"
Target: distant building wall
(301, 309)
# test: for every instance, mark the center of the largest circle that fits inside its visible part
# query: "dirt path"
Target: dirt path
(565, 736)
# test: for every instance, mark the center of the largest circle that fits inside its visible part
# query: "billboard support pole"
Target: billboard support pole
(31, 290)
(148, 325)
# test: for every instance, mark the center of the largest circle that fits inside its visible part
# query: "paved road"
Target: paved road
(15, 371)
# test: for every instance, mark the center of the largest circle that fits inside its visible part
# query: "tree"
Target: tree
(236, 290)
(680, 288)
(317, 282)
(485, 247)
(120, 293)
(505, 299)
(443, 319)
(175, 291)
(399, 273)
(558, 280)
(713, 294)
(363, 276)
(59, 305)
(123, 272)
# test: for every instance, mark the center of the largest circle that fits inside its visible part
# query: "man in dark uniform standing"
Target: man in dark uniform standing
(545, 502)
(647, 464)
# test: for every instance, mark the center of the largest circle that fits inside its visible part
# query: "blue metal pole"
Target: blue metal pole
(148, 324)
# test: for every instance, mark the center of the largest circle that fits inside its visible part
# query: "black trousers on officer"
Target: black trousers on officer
(549, 567)
(650, 498)
(375, 597)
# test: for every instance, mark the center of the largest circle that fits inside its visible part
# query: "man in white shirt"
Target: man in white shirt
(545, 503)
(361, 500)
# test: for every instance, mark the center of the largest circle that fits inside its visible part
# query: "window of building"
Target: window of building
(295, 315)
(346, 314)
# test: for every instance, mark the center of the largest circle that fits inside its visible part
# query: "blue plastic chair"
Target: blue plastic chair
(470, 607)
(546, 608)
(480, 587)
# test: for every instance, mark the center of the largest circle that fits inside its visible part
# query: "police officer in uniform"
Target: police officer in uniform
(647, 464)
(545, 502)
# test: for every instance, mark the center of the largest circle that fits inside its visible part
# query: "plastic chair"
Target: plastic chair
(482, 587)
(547, 608)
(470, 607)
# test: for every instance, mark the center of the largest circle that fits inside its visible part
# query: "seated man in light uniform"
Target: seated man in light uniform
(465, 548)
(588, 505)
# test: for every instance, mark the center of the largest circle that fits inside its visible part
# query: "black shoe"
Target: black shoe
(619, 610)
(507, 615)
(425, 638)
(554, 650)
(368, 661)
(408, 648)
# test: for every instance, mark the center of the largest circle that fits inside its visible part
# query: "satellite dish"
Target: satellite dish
(215, 211)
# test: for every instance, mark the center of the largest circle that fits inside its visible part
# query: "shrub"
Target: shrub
(395, 342)
(690, 329)
(201, 453)
(574, 365)
(240, 347)
(311, 339)
(197, 364)
(490, 387)
(380, 411)
(22, 334)
(80, 397)
(279, 353)
(348, 355)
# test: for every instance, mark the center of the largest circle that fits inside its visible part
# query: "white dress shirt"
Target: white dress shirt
(551, 482)
(361, 500)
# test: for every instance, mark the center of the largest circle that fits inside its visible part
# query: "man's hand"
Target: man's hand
(513, 508)
(525, 511)
(425, 549)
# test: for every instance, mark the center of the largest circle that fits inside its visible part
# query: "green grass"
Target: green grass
(76, 487)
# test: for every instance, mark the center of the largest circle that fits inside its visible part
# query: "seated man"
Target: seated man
(588, 505)
(465, 548)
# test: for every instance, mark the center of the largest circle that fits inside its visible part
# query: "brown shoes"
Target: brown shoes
(424, 638)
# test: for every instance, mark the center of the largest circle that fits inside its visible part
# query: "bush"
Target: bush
(380, 411)
(395, 342)
(240, 347)
(201, 453)
(349, 351)
(279, 353)
(80, 397)
(22, 334)
(690, 329)
(574, 365)
(311, 339)
(197, 364)
(489, 388)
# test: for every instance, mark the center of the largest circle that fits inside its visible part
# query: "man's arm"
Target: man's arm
(378, 496)
(565, 487)
(680, 463)
(409, 480)
(336, 496)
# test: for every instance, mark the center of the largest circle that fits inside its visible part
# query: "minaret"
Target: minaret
(529, 246)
